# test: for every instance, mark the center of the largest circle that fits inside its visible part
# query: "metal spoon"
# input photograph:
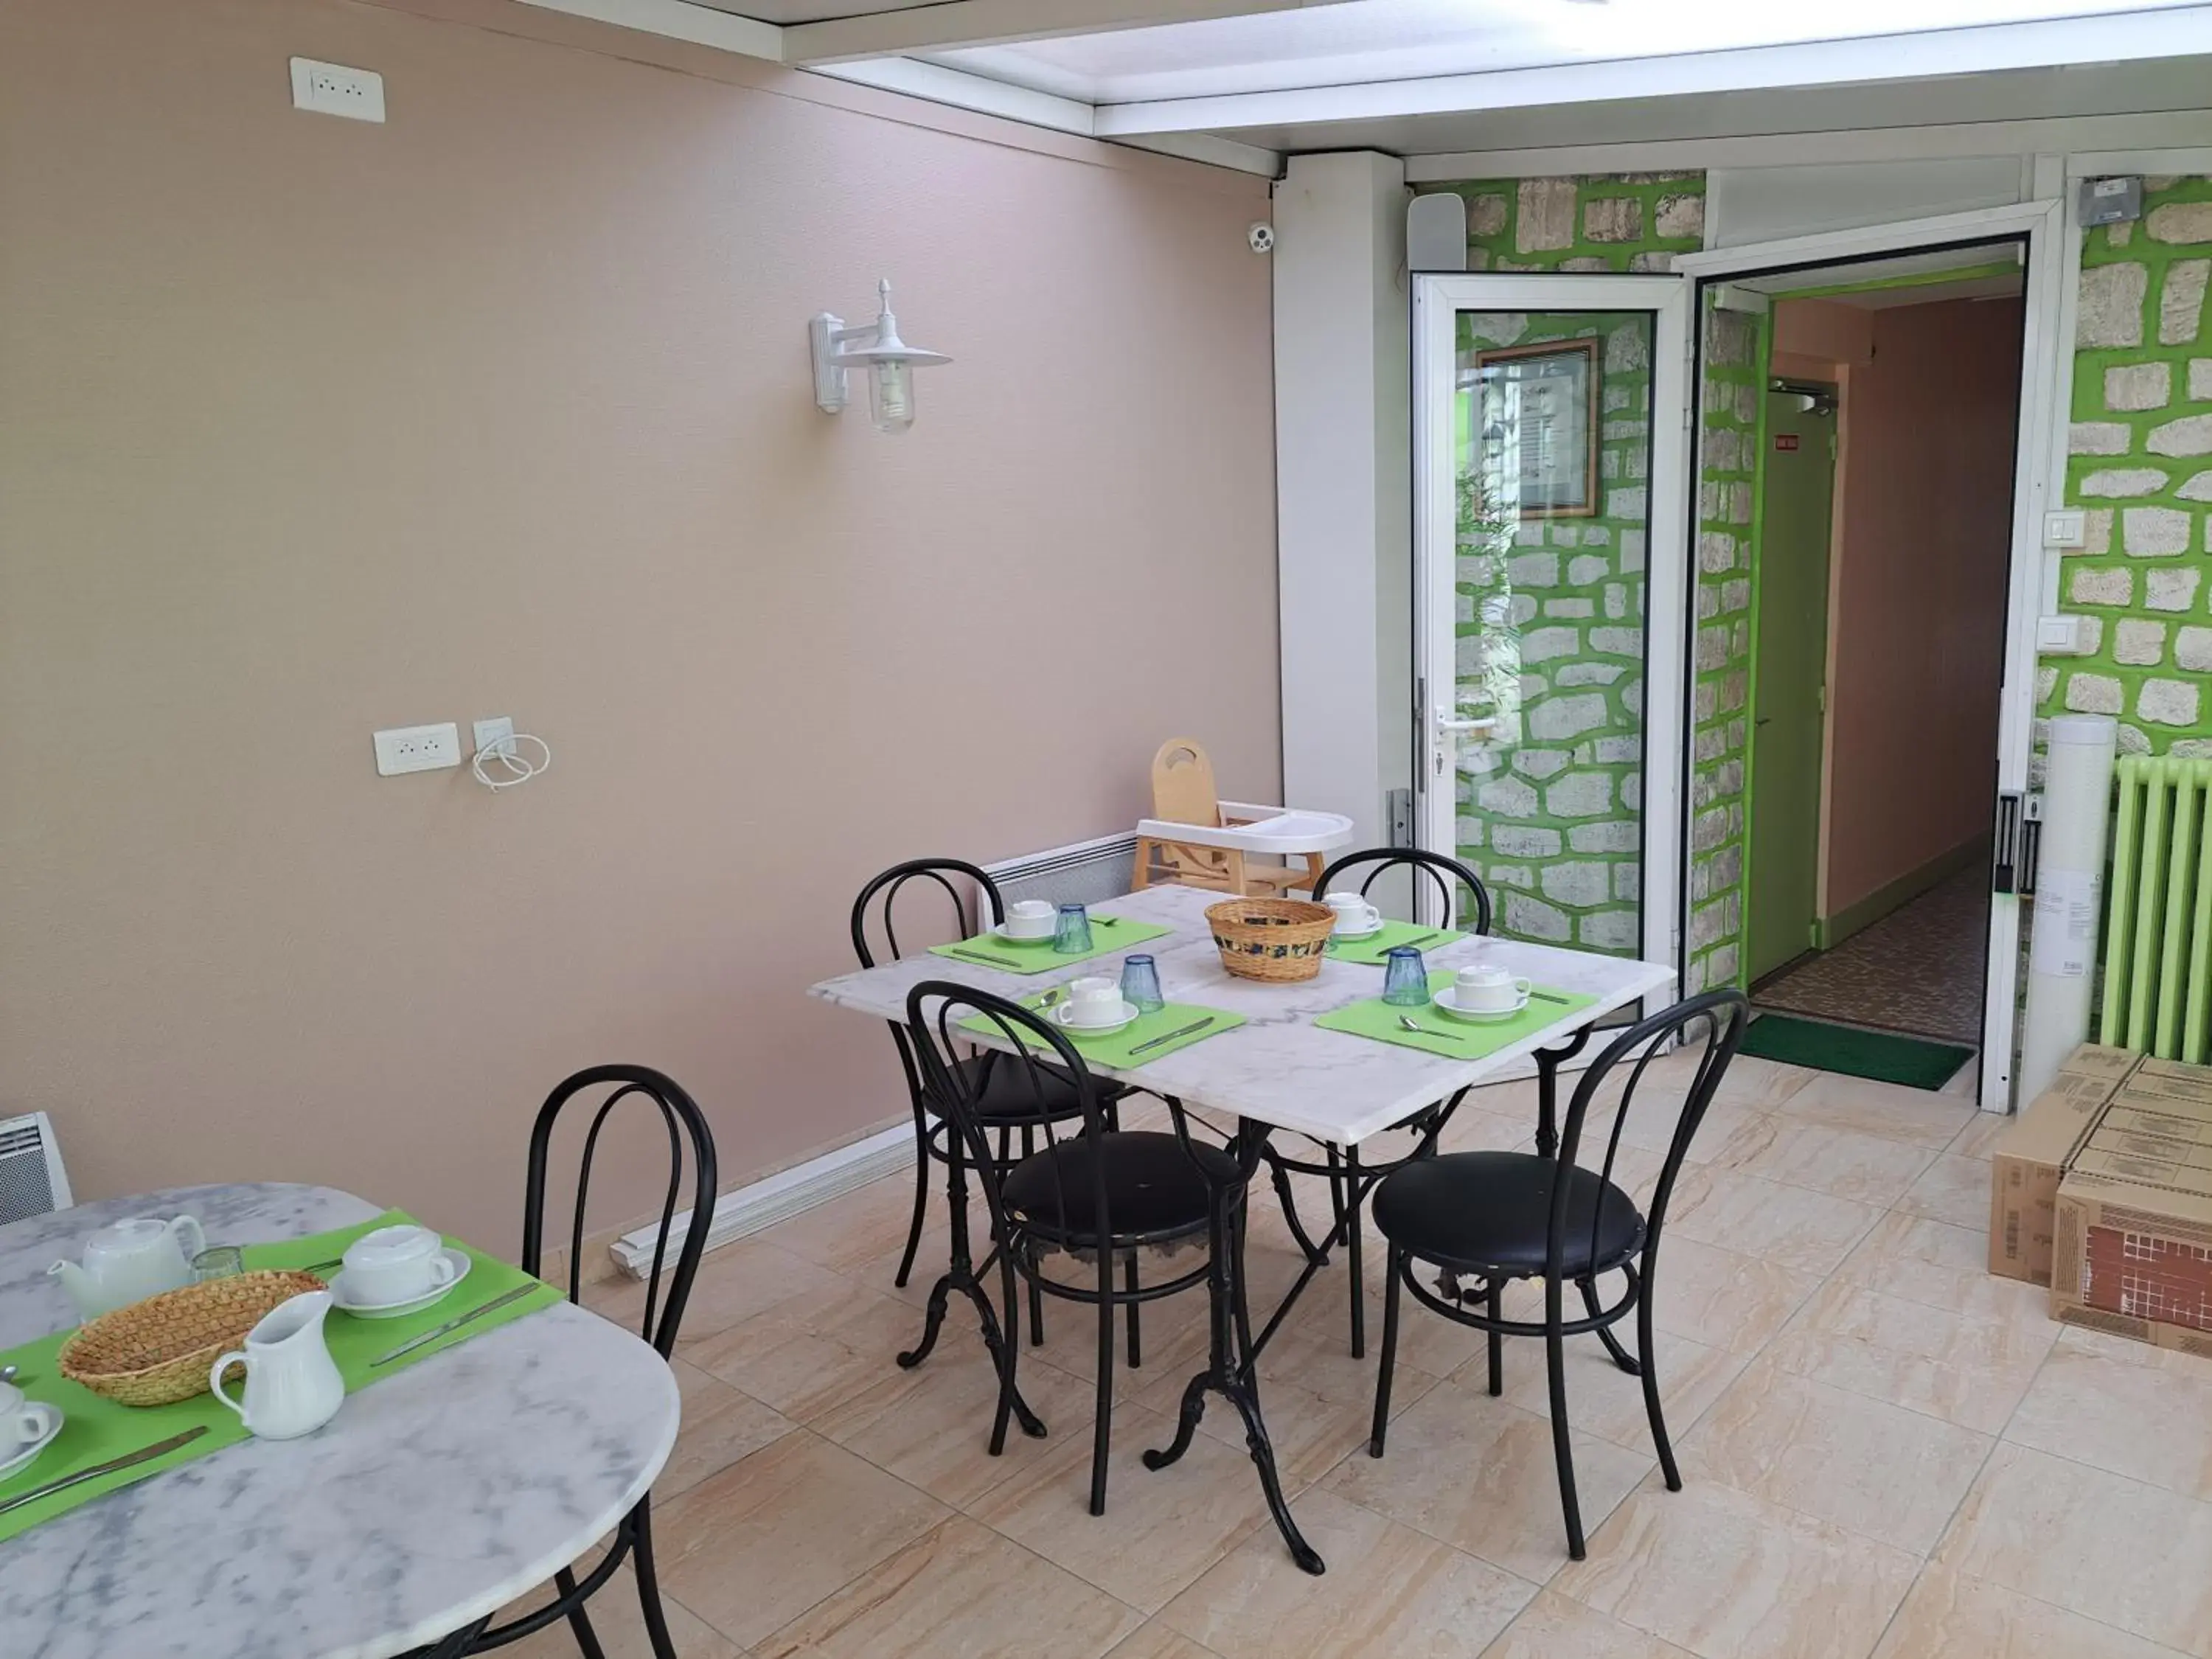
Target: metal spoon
(1406, 1020)
(7, 1373)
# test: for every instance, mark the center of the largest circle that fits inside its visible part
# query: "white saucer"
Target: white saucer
(1445, 1000)
(1059, 1016)
(1338, 932)
(1045, 937)
(462, 1262)
(21, 1460)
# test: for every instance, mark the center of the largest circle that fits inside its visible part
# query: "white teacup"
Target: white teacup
(21, 1421)
(1094, 1000)
(1354, 915)
(1030, 919)
(1483, 990)
(396, 1264)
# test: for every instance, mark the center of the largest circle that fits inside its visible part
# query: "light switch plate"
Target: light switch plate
(334, 89)
(403, 748)
(2061, 636)
(2067, 527)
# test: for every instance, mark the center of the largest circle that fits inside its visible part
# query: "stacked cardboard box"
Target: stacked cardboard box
(2033, 1156)
(2132, 1224)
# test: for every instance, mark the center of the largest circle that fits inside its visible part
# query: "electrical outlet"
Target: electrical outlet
(334, 89)
(417, 749)
(495, 736)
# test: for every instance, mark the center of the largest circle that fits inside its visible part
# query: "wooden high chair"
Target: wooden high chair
(1217, 851)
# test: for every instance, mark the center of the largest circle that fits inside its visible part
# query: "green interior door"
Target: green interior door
(1796, 513)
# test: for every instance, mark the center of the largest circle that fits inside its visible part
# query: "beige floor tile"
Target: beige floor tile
(1388, 1590)
(931, 1426)
(1979, 1136)
(2094, 1543)
(1792, 1226)
(620, 1626)
(1656, 1114)
(1552, 1628)
(1843, 1162)
(1173, 1330)
(1749, 1079)
(1162, 1528)
(856, 1231)
(1968, 1370)
(720, 1426)
(734, 1283)
(1158, 1641)
(1475, 1129)
(1721, 1298)
(812, 1353)
(961, 1590)
(1877, 1469)
(1952, 1188)
(2149, 1422)
(1479, 1474)
(750, 1549)
(1728, 1576)
(1921, 1259)
(1603, 1399)
(1948, 1617)
(1967, 1081)
(1919, 1117)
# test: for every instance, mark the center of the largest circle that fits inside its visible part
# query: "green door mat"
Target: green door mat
(1913, 1061)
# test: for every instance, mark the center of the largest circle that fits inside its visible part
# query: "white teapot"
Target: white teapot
(130, 1261)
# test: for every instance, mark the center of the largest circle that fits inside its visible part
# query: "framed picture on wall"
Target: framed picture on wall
(1539, 405)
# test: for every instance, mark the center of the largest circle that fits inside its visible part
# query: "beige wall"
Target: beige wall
(309, 427)
(1917, 587)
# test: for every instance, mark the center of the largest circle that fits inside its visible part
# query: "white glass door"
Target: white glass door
(1552, 462)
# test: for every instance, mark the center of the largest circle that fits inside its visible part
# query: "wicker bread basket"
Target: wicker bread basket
(158, 1351)
(1271, 938)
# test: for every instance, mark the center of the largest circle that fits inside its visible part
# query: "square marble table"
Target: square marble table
(1277, 1071)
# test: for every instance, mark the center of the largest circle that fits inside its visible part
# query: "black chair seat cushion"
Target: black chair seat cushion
(1490, 1214)
(1011, 1092)
(1153, 1186)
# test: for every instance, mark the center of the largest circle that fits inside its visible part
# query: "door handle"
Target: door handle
(1481, 723)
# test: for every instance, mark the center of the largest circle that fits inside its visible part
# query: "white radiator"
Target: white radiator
(31, 1180)
(1081, 872)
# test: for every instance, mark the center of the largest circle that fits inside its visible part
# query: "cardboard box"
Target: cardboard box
(2032, 1157)
(2134, 1259)
(2126, 1117)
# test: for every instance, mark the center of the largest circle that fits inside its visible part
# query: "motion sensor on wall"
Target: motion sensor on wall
(1262, 236)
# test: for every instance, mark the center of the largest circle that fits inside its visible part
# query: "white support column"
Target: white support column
(1343, 485)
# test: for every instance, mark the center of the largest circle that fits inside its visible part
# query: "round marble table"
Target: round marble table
(441, 1494)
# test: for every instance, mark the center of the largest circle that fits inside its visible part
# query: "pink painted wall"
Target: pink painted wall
(1917, 589)
(309, 427)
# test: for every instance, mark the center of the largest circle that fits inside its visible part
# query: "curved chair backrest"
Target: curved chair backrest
(937, 1012)
(878, 901)
(1449, 875)
(1709, 1025)
(1184, 790)
(685, 1121)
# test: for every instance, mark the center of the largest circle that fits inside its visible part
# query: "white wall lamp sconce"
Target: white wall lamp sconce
(889, 360)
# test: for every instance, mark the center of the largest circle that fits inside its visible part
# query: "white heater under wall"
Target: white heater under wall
(31, 1180)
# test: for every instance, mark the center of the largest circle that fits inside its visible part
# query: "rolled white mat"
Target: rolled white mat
(2069, 882)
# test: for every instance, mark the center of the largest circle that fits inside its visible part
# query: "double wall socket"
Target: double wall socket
(334, 89)
(417, 749)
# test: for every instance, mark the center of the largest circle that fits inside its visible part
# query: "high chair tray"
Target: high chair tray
(1267, 829)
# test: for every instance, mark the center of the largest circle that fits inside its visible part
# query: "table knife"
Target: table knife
(1154, 1042)
(144, 1454)
(970, 955)
(1427, 939)
(1551, 996)
(451, 1325)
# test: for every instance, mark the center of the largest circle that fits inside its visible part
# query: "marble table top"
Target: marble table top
(1280, 1068)
(437, 1496)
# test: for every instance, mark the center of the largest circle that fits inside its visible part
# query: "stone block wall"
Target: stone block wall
(2140, 462)
(1626, 222)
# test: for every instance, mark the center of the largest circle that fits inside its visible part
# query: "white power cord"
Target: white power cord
(518, 769)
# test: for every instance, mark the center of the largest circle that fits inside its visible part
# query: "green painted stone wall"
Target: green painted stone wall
(1632, 222)
(2140, 461)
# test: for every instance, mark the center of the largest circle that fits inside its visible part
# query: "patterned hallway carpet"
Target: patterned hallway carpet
(1917, 970)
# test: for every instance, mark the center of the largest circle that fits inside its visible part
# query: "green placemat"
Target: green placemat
(98, 1428)
(1457, 1039)
(1915, 1062)
(1371, 951)
(1168, 1031)
(989, 951)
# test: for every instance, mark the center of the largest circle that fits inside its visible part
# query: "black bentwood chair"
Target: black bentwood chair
(1491, 1217)
(1351, 1177)
(664, 1312)
(1006, 1101)
(1094, 1192)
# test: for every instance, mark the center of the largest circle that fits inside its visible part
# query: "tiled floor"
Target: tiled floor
(1888, 1453)
(1919, 968)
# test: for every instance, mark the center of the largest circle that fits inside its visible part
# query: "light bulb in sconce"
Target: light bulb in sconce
(891, 363)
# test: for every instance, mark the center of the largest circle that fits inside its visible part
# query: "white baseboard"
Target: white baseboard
(750, 1209)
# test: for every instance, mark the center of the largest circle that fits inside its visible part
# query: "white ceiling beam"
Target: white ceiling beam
(952, 24)
(701, 25)
(2126, 38)
(942, 84)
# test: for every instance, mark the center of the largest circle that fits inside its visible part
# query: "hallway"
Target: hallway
(1919, 969)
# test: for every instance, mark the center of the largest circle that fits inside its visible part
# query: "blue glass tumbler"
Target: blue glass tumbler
(1072, 937)
(1141, 984)
(1405, 978)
